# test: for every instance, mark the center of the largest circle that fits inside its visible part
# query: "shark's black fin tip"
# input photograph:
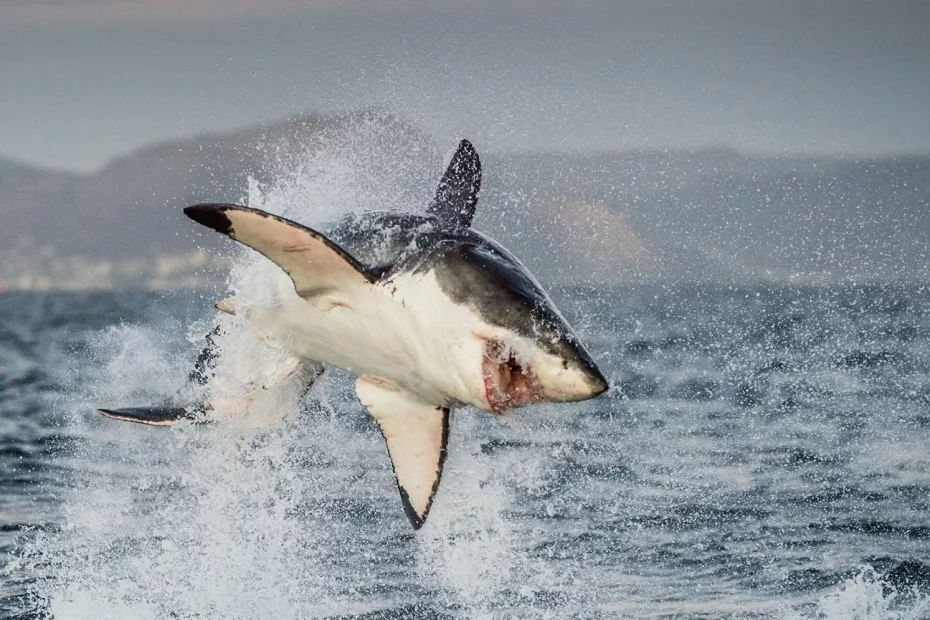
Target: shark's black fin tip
(211, 216)
(415, 520)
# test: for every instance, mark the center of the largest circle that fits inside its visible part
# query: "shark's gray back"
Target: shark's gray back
(387, 243)
(384, 241)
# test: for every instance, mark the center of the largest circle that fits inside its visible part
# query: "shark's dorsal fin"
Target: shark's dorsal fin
(416, 434)
(322, 271)
(457, 194)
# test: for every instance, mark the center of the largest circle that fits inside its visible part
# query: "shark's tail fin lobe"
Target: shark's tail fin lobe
(416, 434)
(205, 365)
(323, 272)
(157, 415)
(457, 194)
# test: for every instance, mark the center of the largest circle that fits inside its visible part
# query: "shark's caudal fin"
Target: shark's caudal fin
(248, 391)
(323, 273)
(164, 415)
(416, 435)
(457, 194)
(168, 414)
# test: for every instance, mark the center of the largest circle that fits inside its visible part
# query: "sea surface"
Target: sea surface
(764, 452)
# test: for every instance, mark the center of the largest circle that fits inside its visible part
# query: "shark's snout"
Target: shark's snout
(570, 375)
(597, 383)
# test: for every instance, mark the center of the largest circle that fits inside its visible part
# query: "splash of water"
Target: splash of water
(466, 549)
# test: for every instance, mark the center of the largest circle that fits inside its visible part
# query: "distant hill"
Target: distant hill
(133, 206)
(721, 214)
(602, 217)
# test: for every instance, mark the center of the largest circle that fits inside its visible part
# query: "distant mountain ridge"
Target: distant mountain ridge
(600, 217)
(721, 214)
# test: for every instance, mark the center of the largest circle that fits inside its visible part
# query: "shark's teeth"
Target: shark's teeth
(509, 379)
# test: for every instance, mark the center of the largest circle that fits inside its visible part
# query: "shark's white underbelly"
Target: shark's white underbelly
(404, 331)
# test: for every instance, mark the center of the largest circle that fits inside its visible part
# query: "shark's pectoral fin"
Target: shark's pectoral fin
(416, 434)
(323, 273)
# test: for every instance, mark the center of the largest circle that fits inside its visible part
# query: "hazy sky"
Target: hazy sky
(81, 82)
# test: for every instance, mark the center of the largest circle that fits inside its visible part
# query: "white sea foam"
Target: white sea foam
(865, 597)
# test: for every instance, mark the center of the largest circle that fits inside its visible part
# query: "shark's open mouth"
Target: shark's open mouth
(509, 382)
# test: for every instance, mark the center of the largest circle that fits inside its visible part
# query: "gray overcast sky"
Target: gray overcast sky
(83, 82)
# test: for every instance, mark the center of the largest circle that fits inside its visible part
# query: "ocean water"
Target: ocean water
(764, 452)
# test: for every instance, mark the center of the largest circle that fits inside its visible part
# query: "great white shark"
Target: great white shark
(426, 311)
